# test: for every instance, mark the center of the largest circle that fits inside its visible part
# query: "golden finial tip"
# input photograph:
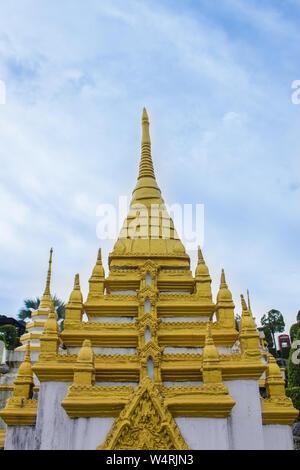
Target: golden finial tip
(27, 355)
(77, 280)
(200, 255)
(145, 114)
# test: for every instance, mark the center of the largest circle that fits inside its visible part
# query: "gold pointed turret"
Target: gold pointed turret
(74, 308)
(148, 231)
(248, 334)
(46, 299)
(35, 328)
(20, 409)
(203, 279)
(225, 305)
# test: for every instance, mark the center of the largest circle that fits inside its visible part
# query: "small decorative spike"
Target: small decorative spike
(208, 338)
(99, 259)
(24, 379)
(77, 282)
(27, 353)
(200, 256)
(47, 296)
(245, 311)
(84, 370)
(249, 306)
(223, 284)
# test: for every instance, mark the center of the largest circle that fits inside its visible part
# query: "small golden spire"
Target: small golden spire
(245, 311)
(210, 360)
(76, 295)
(45, 302)
(98, 271)
(249, 306)
(223, 284)
(84, 369)
(24, 380)
(146, 164)
(27, 353)
(200, 256)
(208, 338)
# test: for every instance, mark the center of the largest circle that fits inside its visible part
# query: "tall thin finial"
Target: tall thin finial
(146, 164)
(244, 306)
(208, 338)
(223, 284)
(47, 290)
(249, 306)
(200, 256)
(99, 259)
(45, 302)
(27, 354)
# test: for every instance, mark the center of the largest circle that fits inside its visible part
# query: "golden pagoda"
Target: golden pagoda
(158, 365)
(35, 327)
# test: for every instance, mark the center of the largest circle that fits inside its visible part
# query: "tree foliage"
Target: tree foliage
(274, 323)
(9, 334)
(293, 389)
(237, 320)
(30, 305)
(295, 328)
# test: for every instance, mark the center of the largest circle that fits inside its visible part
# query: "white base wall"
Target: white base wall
(278, 437)
(243, 429)
(245, 421)
(204, 433)
(54, 429)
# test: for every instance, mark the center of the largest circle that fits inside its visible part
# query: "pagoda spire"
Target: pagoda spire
(148, 229)
(225, 305)
(202, 278)
(223, 284)
(146, 164)
(210, 362)
(97, 279)
(46, 299)
(248, 334)
(74, 308)
(248, 298)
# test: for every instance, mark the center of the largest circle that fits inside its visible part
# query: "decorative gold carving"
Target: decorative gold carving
(145, 424)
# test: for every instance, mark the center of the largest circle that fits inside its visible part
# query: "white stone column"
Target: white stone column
(278, 437)
(204, 433)
(245, 419)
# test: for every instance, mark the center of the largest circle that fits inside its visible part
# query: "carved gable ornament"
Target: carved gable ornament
(145, 424)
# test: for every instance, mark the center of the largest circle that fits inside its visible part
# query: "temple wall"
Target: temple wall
(204, 433)
(245, 422)
(20, 438)
(278, 437)
(54, 429)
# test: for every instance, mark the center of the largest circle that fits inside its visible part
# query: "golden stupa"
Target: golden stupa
(158, 364)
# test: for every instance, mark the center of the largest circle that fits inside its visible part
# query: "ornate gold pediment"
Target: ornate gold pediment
(145, 424)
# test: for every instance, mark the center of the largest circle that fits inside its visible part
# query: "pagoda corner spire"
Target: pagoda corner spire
(46, 299)
(146, 164)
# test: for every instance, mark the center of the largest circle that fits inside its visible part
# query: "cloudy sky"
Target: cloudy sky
(216, 78)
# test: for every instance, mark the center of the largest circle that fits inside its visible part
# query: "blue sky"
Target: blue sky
(216, 80)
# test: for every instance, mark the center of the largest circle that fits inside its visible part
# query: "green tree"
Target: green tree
(295, 328)
(274, 323)
(30, 305)
(10, 336)
(237, 319)
(293, 388)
